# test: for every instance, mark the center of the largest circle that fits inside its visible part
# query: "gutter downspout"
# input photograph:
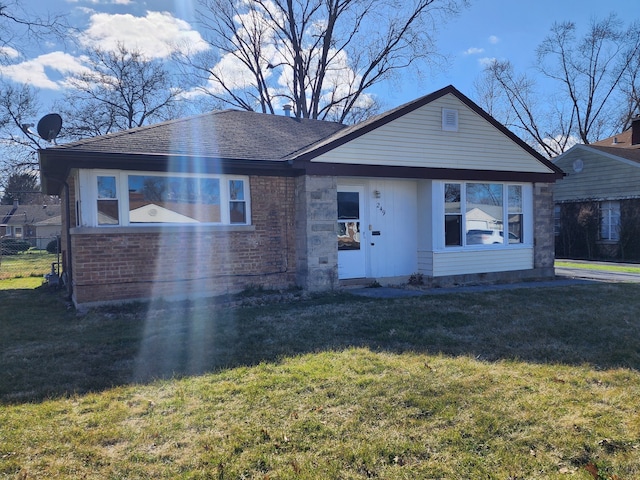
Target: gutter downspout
(67, 213)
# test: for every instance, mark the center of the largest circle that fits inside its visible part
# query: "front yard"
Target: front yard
(530, 383)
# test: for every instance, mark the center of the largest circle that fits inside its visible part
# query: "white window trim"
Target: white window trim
(439, 216)
(605, 208)
(88, 194)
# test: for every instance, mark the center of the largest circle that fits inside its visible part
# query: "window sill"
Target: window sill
(169, 228)
(484, 247)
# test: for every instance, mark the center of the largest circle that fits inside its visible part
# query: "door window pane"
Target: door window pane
(348, 221)
(348, 205)
(348, 235)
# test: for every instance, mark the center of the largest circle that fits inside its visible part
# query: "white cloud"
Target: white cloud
(486, 61)
(9, 52)
(558, 140)
(36, 72)
(155, 35)
(473, 51)
(493, 40)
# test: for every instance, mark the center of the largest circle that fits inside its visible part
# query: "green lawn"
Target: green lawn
(611, 267)
(517, 384)
(32, 263)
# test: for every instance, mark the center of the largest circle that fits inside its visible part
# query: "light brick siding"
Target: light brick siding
(544, 238)
(187, 262)
(316, 220)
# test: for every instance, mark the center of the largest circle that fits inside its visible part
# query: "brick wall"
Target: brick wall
(185, 262)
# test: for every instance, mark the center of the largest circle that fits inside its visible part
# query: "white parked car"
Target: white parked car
(488, 237)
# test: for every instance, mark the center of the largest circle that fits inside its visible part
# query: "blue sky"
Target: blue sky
(501, 29)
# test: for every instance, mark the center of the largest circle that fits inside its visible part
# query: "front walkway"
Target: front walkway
(564, 276)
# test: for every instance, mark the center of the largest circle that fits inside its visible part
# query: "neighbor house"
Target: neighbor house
(597, 204)
(35, 224)
(219, 202)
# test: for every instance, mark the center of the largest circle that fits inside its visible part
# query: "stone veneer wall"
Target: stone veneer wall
(316, 241)
(544, 238)
(113, 264)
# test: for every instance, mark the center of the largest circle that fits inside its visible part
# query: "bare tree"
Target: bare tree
(19, 140)
(119, 90)
(592, 76)
(320, 56)
(19, 103)
(630, 87)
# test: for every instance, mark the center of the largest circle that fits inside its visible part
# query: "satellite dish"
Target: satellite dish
(49, 126)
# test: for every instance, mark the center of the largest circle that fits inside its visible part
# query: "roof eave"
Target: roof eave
(389, 171)
(55, 165)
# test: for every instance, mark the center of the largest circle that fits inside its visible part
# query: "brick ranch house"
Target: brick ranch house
(218, 202)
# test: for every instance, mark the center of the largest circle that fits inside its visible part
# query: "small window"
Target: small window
(514, 194)
(237, 203)
(108, 212)
(449, 120)
(452, 215)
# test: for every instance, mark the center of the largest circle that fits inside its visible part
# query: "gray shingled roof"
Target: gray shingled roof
(632, 154)
(28, 214)
(221, 134)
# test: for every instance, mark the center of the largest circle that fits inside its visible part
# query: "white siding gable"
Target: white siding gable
(417, 139)
(596, 176)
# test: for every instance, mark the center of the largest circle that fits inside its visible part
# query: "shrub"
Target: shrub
(54, 246)
(13, 246)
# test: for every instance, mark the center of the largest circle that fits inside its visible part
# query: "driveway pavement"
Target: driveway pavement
(564, 277)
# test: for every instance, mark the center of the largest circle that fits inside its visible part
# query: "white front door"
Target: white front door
(351, 232)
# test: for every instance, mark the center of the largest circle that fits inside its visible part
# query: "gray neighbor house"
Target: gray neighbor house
(215, 203)
(597, 204)
(35, 224)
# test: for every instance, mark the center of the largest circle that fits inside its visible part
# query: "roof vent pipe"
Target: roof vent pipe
(615, 140)
(287, 110)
